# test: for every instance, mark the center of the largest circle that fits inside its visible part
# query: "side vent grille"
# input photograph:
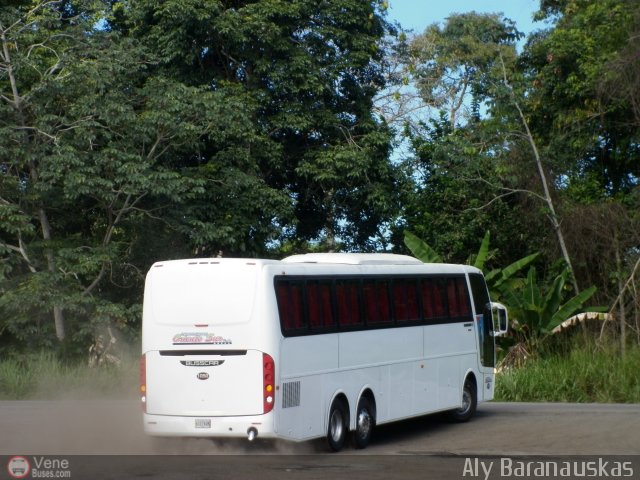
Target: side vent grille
(291, 394)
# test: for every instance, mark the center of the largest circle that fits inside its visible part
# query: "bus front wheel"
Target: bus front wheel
(338, 425)
(469, 403)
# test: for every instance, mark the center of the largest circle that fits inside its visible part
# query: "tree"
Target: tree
(461, 167)
(590, 136)
(86, 151)
(306, 73)
(136, 131)
(583, 109)
(455, 63)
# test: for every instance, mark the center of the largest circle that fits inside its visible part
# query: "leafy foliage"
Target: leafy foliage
(304, 74)
(535, 312)
(132, 131)
(86, 151)
(473, 164)
(593, 137)
(500, 281)
(136, 131)
(420, 249)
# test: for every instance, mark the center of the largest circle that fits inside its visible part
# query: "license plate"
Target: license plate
(203, 423)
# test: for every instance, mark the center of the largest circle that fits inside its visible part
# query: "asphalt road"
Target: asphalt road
(104, 439)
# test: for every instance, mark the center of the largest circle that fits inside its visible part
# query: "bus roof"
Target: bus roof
(354, 259)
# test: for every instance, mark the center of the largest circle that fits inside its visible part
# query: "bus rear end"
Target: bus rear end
(206, 368)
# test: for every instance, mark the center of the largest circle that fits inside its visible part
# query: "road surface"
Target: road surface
(104, 439)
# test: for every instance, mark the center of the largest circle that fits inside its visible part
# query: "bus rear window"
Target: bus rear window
(212, 294)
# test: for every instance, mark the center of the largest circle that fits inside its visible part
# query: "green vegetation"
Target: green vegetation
(43, 376)
(584, 373)
(587, 373)
(137, 131)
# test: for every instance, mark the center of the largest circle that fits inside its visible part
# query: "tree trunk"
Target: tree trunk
(58, 314)
(17, 104)
(622, 307)
(330, 241)
(555, 221)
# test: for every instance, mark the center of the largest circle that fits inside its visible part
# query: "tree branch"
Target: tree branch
(543, 179)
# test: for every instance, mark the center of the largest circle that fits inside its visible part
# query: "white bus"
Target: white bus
(315, 345)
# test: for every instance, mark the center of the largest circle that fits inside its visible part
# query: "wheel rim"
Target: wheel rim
(336, 425)
(364, 423)
(466, 401)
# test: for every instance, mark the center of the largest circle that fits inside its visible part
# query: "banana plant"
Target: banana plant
(503, 280)
(537, 313)
(534, 313)
(498, 280)
(420, 249)
(424, 252)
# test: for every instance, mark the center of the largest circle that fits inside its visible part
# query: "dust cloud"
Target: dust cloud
(110, 427)
(96, 411)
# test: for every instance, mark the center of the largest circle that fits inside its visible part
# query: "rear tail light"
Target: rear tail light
(143, 382)
(268, 376)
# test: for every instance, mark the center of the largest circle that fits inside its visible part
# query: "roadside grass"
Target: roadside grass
(582, 373)
(43, 376)
(585, 373)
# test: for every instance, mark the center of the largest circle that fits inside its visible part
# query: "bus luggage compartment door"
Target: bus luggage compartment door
(204, 384)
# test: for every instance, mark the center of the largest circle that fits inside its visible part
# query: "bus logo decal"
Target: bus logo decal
(203, 376)
(200, 338)
(201, 363)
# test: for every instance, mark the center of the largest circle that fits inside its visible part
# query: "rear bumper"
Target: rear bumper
(179, 426)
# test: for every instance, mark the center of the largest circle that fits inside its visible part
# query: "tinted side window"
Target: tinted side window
(290, 305)
(458, 298)
(433, 294)
(405, 300)
(347, 303)
(376, 301)
(319, 305)
(484, 322)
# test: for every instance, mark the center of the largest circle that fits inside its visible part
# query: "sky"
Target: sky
(418, 14)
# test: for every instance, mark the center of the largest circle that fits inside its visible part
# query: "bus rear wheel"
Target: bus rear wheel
(365, 421)
(469, 403)
(338, 425)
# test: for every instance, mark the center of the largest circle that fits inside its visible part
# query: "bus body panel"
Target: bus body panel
(402, 389)
(309, 355)
(382, 346)
(186, 426)
(204, 385)
(203, 342)
(202, 292)
(488, 385)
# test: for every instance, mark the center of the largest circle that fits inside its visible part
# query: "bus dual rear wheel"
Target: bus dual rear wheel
(365, 421)
(338, 425)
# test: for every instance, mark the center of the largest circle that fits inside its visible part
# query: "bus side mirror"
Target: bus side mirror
(500, 319)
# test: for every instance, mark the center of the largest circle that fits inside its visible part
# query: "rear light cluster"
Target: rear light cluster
(268, 376)
(143, 382)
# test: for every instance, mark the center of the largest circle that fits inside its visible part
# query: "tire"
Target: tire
(338, 425)
(469, 403)
(365, 423)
